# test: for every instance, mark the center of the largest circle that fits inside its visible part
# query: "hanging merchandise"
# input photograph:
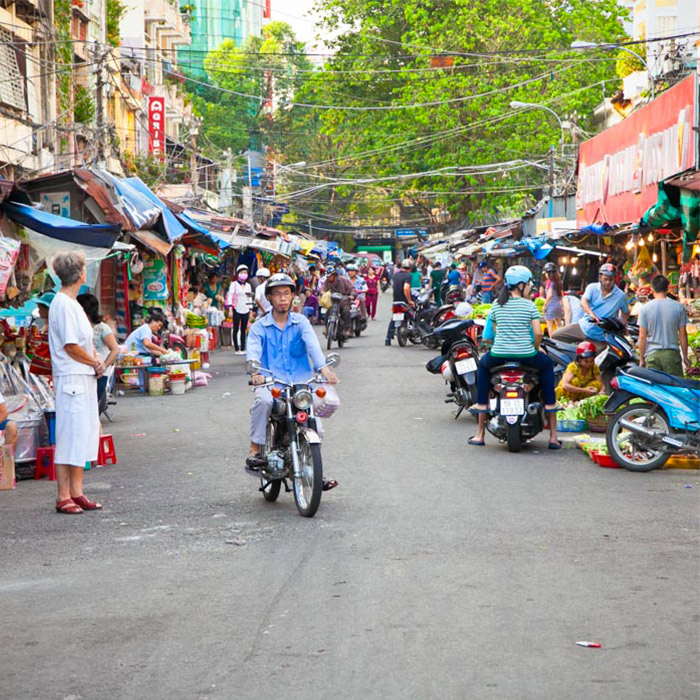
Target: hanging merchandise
(155, 280)
(9, 250)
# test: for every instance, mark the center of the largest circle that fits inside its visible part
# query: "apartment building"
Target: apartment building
(27, 88)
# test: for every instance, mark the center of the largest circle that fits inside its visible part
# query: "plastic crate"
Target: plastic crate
(571, 426)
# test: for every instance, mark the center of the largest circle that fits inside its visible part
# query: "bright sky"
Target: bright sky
(296, 13)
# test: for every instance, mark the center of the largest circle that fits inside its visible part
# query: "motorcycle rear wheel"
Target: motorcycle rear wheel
(513, 438)
(401, 334)
(634, 452)
(309, 486)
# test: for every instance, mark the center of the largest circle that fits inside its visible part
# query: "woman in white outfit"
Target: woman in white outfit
(76, 368)
(240, 297)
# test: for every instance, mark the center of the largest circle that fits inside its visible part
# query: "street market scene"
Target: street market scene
(360, 343)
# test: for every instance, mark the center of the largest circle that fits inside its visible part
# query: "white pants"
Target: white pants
(77, 419)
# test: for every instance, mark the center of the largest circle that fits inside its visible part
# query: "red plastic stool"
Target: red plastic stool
(44, 463)
(106, 451)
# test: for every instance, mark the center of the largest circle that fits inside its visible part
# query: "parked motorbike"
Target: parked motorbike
(335, 327)
(641, 436)
(619, 351)
(358, 323)
(451, 293)
(293, 443)
(172, 341)
(457, 362)
(516, 412)
(416, 323)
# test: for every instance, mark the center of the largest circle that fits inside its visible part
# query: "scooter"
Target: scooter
(516, 413)
(619, 351)
(457, 362)
(642, 435)
(357, 323)
(415, 323)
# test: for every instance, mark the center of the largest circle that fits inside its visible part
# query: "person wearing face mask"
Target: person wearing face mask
(240, 298)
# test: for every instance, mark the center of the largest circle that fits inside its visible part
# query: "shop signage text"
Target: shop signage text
(156, 127)
(619, 169)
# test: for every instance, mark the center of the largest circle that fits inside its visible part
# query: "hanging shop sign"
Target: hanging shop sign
(9, 251)
(619, 169)
(156, 127)
(155, 280)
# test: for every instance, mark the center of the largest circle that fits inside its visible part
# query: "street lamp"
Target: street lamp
(608, 47)
(533, 105)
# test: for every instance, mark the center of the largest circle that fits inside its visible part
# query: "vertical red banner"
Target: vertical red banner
(156, 127)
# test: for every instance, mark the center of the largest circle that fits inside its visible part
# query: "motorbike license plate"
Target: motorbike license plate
(464, 366)
(512, 407)
(398, 317)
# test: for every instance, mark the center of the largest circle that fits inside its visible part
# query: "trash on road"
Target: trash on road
(592, 645)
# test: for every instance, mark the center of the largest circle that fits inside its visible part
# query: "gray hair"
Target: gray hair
(69, 267)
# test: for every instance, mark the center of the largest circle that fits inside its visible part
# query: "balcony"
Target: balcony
(32, 11)
(168, 21)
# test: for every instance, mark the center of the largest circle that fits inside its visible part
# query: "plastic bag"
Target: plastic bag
(325, 407)
(325, 300)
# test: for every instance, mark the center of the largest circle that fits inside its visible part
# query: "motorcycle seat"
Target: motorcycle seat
(567, 348)
(454, 325)
(658, 377)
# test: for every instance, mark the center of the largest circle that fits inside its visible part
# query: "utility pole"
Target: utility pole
(551, 181)
(194, 176)
(99, 110)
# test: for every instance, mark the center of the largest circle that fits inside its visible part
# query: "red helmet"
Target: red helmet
(586, 349)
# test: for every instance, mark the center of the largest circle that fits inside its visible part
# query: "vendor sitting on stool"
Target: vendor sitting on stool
(8, 427)
(582, 377)
(141, 339)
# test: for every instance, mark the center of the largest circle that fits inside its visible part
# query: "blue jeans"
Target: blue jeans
(487, 297)
(541, 362)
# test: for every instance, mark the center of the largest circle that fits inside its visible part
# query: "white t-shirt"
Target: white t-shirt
(243, 295)
(68, 325)
(260, 297)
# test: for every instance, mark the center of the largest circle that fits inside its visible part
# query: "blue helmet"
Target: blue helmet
(517, 274)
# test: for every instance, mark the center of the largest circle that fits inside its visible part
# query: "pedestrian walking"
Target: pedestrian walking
(552, 291)
(372, 293)
(401, 282)
(663, 337)
(76, 368)
(436, 277)
(240, 299)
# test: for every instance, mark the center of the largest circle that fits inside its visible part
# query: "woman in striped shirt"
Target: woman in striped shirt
(518, 333)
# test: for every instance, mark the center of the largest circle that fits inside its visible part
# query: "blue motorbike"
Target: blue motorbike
(642, 435)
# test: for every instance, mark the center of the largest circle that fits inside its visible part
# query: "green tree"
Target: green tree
(501, 50)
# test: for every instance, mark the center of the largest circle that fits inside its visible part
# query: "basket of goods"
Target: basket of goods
(591, 410)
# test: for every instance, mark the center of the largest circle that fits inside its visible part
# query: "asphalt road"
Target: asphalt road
(435, 570)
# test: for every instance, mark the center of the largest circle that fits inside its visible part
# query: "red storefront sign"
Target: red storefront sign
(156, 127)
(619, 170)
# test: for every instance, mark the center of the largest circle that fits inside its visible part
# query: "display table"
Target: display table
(142, 371)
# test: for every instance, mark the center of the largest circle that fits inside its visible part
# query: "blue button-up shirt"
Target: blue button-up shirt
(602, 307)
(289, 352)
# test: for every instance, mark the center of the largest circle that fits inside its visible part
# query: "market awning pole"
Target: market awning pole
(551, 180)
(663, 258)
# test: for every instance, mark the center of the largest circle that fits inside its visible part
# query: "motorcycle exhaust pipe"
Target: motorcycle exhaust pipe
(638, 429)
(534, 408)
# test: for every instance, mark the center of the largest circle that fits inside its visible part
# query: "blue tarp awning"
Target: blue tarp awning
(196, 227)
(62, 228)
(173, 228)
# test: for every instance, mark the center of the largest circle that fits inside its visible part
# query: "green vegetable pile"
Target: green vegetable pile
(480, 311)
(539, 303)
(194, 321)
(592, 407)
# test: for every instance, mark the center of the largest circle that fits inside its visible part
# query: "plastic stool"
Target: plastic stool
(44, 463)
(106, 451)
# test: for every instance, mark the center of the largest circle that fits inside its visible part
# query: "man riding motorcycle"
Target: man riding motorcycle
(281, 342)
(360, 286)
(602, 299)
(341, 285)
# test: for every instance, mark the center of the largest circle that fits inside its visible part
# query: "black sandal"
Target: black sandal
(329, 484)
(255, 463)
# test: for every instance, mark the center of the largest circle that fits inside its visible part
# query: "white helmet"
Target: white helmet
(262, 272)
(242, 267)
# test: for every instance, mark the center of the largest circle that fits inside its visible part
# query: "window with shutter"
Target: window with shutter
(12, 85)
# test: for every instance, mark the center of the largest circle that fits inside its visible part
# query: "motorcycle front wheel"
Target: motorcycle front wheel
(401, 335)
(309, 485)
(637, 452)
(513, 438)
(330, 334)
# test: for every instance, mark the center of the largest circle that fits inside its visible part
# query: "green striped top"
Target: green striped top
(514, 336)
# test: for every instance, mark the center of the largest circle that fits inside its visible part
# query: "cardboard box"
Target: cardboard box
(7, 469)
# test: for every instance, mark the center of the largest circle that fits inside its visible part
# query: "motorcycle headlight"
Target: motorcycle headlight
(303, 399)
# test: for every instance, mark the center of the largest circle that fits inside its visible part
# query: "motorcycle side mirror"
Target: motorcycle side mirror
(253, 366)
(333, 360)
